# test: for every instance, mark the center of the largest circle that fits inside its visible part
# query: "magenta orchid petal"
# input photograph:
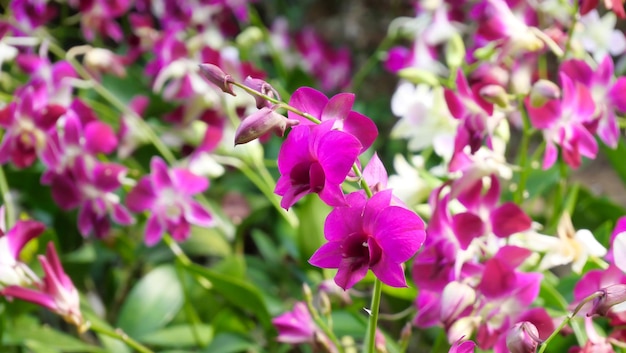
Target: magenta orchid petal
(180, 231)
(307, 100)
(337, 165)
(399, 232)
(374, 206)
(22, 233)
(294, 149)
(142, 196)
(160, 177)
(154, 230)
(361, 127)
(198, 215)
(338, 107)
(107, 176)
(513, 256)
(189, 183)
(617, 94)
(100, 138)
(498, 279)
(342, 221)
(389, 272)
(72, 129)
(509, 219)
(467, 226)
(121, 215)
(327, 256)
(30, 295)
(375, 174)
(550, 156)
(85, 220)
(350, 272)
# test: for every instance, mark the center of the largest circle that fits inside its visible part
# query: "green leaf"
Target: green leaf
(178, 336)
(28, 332)
(616, 157)
(312, 213)
(239, 292)
(230, 343)
(152, 303)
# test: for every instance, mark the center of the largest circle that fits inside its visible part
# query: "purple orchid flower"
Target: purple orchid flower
(337, 109)
(12, 270)
(297, 327)
(99, 16)
(79, 133)
(369, 234)
(56, 292)
(315, 159)
(467, 106)
(27, 121)
(167, 193)
(607, 93)
(90, 186)
(564, 123)
(31, 14)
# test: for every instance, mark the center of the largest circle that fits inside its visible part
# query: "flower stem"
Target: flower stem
(370, 338)
(567, 319)
(518, 197)
(120, 335)
(7, 200)
(308, 298)
(276, 101)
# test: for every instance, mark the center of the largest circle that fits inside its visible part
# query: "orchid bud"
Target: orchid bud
(455, 52)
(495, 94)
(417, 76)
(260, 123)
(102, 60)
(216, 76)
(380, 342)
(456, 298)
(263, 88)
(523, 338)
(543, 91)
(610, 297)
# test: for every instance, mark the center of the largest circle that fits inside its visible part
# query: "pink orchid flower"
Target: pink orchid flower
(563, 123)
(369, 234)
(56, 292)
(607, 93)
(315, 159)
(337, 109)
(168, 194)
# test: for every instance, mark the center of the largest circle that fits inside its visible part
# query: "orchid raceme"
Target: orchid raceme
(369, 234)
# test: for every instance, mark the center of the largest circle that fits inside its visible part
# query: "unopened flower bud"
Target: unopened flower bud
(216, 76)
(495, 94)
(455, 51)
(380, 342)
(609, 298)
(101, 60)
(523, 338)
(325, 306)
(260, 123)
(543, 91)
(263, 88)
(418, 76)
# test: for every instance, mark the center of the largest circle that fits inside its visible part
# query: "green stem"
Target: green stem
(570, 31)
(362, 181)
(7, 200)
(518, 197)
(567, 319)
(321, 323)
(370, 339)
(120, 335)
(276, 101)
